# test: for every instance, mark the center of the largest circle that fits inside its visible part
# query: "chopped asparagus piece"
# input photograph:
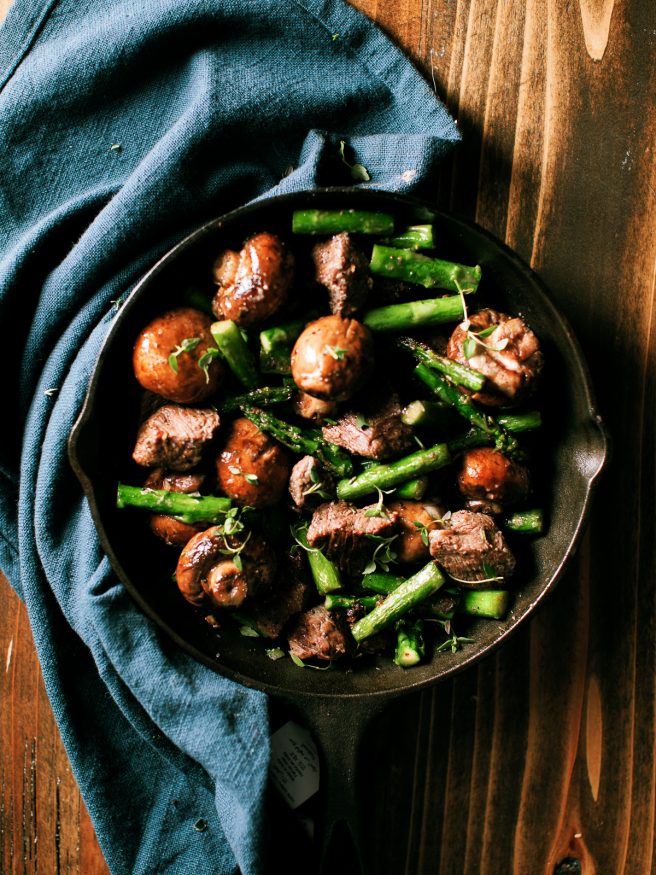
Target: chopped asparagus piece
(431, 273)
(336, 221)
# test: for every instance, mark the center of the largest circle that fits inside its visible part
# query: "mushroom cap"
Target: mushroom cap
(332, 358)
(185, 381)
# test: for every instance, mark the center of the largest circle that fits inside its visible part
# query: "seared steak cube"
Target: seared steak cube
(344, 270)
(290, 595)
(319, 634)
(471, 549)
(349, 535)
(375, 432)
(175, 437)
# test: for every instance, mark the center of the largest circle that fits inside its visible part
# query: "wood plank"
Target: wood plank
(44, 826)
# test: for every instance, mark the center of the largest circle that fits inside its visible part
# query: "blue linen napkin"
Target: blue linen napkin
(123, 125)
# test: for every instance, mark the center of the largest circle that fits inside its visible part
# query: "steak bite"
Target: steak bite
(344, 270)
(375, 433)
(175, 437)
(471, 549)
(510, 356)
(308, 481)
(319, 634)
(290, 594)
(348, 534)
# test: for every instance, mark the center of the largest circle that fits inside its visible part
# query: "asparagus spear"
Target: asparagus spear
(336, 221)
(331, 457)
(408, 595)
(324, 572)
(401, 317)
(276, 346)
(392, 474)
(445, 391)
(232, 345)
(462, 375)
(412, 489)
(517, 422)
(412, 237)
(526, 522)
(334, 602)
(442, 607)
(186, 508)
(264, 397)
(431, 414)
(381, 582)
(410, 648)
(491, 603)
(432, 273)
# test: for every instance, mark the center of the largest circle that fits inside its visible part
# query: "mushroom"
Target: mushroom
(253, 283)
(490, 481)
(309, 407)
(415, 520)
(502, 348)
(208, 568)
(167, 357)
(332, 358)
(252, 468)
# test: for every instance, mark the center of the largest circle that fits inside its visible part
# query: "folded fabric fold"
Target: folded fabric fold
(125, 125)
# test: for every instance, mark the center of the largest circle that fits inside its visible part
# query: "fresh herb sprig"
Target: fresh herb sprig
(187, 345)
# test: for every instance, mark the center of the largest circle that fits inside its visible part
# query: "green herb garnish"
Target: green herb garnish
(187, 345)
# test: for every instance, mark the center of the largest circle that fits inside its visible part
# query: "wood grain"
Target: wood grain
(44, 827)
(540, 761)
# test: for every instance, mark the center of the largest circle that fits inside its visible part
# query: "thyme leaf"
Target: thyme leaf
(187, 345)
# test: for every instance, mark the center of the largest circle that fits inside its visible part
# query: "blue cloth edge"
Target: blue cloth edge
(17, 33)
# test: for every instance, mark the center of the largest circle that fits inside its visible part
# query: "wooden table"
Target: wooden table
(540, 760)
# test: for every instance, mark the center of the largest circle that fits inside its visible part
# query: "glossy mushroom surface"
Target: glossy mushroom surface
(254, 283)
(252, 468)
(167, 353)
(333, 358)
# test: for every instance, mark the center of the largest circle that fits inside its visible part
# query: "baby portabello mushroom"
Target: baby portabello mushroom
(254, 283)
(252, 468)
(169, 357)
(490, 481)
(208, 568)
(502, 348)
(416, 519)
(308, 407)
(333, 358)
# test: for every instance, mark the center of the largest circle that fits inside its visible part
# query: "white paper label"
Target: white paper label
(294, 764)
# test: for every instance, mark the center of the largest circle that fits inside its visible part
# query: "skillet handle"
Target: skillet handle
(338, 727)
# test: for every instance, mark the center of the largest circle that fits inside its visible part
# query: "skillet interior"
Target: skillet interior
(102, 442)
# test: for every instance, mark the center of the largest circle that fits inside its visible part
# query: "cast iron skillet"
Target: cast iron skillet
(336, 705)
